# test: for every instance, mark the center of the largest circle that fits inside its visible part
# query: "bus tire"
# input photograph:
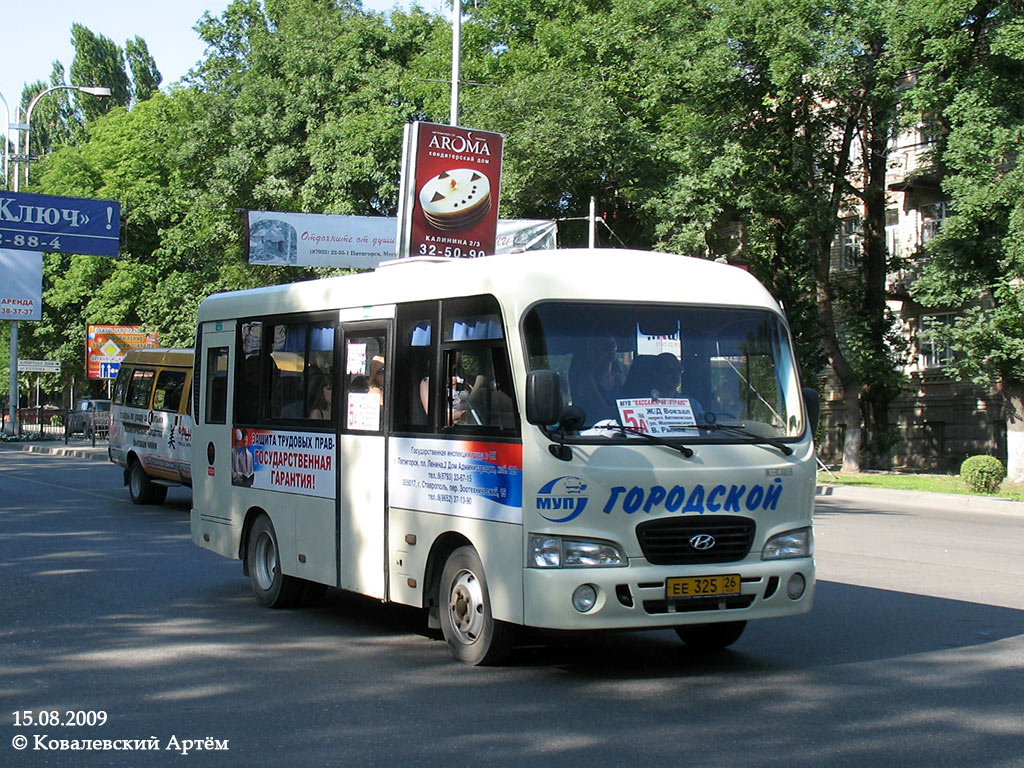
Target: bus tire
(140, 487)
(472, 633)
(159, 493)
(263, 562)
(711, 637)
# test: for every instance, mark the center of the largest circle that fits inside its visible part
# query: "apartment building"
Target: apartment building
(940, 421)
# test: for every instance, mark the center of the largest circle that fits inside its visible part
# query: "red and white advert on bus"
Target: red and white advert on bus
(457, 178)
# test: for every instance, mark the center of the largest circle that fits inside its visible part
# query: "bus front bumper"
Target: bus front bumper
(636, 597)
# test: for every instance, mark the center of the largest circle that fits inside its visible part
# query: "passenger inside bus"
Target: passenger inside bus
(320, 396)
(595, 378)
(377, 374)
(658, 376)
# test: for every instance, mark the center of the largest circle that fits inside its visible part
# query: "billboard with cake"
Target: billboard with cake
(451, 178)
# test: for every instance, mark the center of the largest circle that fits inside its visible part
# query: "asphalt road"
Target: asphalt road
(913, 655)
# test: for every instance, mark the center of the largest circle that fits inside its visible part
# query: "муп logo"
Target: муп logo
(561, 500)
(702, 541)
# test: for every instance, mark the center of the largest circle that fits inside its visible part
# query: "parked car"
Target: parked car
(90, 416)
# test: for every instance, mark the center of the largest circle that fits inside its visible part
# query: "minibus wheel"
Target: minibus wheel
(472, 633)
(263, 562)
(711, 637)
(140, 487)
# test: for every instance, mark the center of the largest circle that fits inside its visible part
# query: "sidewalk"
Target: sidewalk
(79, 447)
(951, 501)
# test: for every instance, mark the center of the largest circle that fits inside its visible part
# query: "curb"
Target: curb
(924, 499)
(99, 453)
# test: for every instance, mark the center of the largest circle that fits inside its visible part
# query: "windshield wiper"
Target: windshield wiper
(653, 439)
(739, 431)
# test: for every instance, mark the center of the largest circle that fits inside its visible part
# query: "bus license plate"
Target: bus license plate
(703, 586)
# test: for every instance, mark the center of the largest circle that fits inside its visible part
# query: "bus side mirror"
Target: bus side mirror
(543, 398)
(812, 404)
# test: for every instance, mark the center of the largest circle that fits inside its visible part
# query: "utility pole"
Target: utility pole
(456, 60)
(26, 158)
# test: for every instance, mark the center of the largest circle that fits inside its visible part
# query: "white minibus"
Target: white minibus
(151, 421)
(567, 440)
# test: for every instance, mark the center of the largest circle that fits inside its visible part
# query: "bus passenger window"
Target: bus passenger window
(416, 351)
(288, 359)
(139, 388)
(320, 373)
(216, 385)
(247, 391)
(365, 372)
(478, 391)
(169, 387)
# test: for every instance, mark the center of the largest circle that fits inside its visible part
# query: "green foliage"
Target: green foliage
(983, 474)
(99, 61)
(976, 263)
(710, 129)
(145, 76)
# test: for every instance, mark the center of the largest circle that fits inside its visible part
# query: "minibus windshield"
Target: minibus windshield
(690, 372)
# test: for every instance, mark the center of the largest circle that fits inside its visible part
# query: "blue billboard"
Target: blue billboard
(30, 222)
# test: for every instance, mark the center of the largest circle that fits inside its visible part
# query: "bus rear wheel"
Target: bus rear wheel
(472, 633)
(263, 563)
(711, 637)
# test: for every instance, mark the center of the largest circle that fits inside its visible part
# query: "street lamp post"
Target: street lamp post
(6, 137)
(27, 160)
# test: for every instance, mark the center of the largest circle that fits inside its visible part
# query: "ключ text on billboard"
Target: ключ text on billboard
(51, 224)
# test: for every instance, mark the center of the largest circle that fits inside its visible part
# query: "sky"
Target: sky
(38, 32)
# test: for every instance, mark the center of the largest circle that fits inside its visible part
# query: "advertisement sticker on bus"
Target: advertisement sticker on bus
(466, 478)
(294, 462)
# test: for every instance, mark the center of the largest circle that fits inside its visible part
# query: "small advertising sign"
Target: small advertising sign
(59, 224)
(451, 179)
(106, 346)
(21, 285)
(361, 242)
(668, 416)
(320, 240)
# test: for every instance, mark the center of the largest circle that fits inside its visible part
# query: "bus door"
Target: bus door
(212, 444)
(362, 441)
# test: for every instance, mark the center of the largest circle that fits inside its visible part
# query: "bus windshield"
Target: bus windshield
(691, 372)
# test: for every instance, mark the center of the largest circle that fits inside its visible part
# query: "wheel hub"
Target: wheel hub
(466, 607)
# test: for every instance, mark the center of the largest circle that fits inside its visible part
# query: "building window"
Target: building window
(934, 350)
(851, 245)
(892, 232)
(932, 217)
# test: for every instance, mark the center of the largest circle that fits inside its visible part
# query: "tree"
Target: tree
(145, 76)
(780, 133)
(976, 262)
(99, 61)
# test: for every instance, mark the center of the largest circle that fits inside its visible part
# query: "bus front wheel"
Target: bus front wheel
(263, 562)
(472, 633)
(711, 637)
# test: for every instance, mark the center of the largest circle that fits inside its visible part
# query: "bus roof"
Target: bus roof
(178, 358)
(517, 279)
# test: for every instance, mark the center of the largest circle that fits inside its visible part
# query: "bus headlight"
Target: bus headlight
(546, 551)
(799, 543)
